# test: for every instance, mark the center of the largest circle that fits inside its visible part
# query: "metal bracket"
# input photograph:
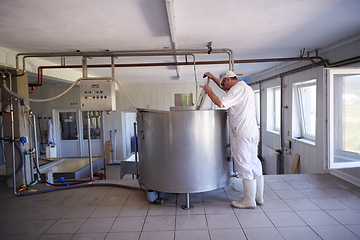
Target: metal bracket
(209, 46)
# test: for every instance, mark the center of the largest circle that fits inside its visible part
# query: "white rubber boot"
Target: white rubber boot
(249, 195)
(259, 190)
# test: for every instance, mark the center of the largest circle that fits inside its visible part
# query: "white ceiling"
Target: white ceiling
(252, 29)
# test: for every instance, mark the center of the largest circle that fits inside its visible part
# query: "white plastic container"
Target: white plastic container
(151, 195)
(50, 152)
(238, 185)
(49, 177)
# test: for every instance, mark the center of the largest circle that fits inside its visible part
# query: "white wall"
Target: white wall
(158, 96)
(161, 96)
(312, 156)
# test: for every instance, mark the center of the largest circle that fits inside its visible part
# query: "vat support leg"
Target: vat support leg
(187, 206)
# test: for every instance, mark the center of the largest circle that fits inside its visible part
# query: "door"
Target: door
(66, 126)
(71, 133)
(128, 119)
(343, 118)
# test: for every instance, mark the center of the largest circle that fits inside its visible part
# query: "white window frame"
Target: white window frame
(257, 106)
(277, 108)
(273, 109)
(332, 152)
(300, 108)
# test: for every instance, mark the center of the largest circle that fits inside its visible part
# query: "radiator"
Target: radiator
(270, 163)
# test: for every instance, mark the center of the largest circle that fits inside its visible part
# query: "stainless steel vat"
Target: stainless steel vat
(183, 151)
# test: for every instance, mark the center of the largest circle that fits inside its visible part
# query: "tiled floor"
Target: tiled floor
(296, 207)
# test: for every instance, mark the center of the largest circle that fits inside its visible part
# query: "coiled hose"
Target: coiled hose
(24, 193)
(63, 186)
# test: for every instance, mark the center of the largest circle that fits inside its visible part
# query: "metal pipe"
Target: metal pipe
(12, 134)
(121, 53)
(40, 81)
(285, 73)
(162, 52)
(31, 150)
(187, 206)
(260, 124)
(279, 59)
(12, 137)
(325, 63)
(36, 146)
(282, 114)
(84, 67)
(182, 63)
(112, 67)
(342, 62)
(196, 82)
(84, 71)
(23, 172)
(135, 151)
(89, 146)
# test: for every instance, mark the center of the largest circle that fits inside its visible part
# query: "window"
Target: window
(343, 116)
(68, 125)
(274, 109)
(257, 106)
(277, 107)
(306, 108)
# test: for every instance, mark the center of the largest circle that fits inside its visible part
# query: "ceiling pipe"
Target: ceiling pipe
(115, 54)
(132, 53)
(109, 53)
(32, 89)
(324, 63)
(40, 81)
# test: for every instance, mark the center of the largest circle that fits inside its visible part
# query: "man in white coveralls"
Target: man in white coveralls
(244, 134)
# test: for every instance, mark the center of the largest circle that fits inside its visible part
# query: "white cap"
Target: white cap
(226, 74)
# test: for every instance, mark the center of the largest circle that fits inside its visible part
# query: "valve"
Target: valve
(23, 140)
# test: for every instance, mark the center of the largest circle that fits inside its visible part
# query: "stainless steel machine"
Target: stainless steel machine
(183, 151)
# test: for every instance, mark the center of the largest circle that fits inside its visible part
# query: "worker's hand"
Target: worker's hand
(209, 75)
(207, 88)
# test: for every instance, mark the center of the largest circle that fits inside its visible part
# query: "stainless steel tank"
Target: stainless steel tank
(183, 151)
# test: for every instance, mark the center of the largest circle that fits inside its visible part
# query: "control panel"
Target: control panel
(97, 95)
